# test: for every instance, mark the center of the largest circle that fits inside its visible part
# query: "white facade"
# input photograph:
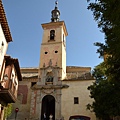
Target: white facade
(3, 47)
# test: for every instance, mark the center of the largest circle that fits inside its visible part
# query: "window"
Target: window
(63, 38)
(64, 42)
(1, 48)
(52, 34)
(56, 51)
(46, 52)
(76, 100)
(79, 117)
(2, 44)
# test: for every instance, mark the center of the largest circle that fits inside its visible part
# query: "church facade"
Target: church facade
(53, 91)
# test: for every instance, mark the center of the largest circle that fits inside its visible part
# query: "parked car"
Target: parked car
(79, 117)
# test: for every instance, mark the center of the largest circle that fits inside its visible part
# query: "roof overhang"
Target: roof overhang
(4, 23)
(15, 62)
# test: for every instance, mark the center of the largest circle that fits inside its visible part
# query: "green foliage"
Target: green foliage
(105, 93)
(99, 72)
(106, 89)
(8, 110)
(107, 15)
(106, 99)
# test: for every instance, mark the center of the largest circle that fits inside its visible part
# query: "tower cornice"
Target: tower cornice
(55, 24)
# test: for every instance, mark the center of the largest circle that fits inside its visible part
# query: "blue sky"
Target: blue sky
(25, 18)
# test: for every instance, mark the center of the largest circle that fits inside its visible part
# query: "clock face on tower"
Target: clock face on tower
(51, 52)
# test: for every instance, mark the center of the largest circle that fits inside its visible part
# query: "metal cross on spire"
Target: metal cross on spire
(56, 3)
(55, 13)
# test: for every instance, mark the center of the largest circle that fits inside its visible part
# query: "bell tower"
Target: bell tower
(53, 47)
(46, 94)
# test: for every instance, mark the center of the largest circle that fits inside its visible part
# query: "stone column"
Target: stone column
(58, 105)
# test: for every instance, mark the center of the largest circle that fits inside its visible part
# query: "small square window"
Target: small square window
(76, 100)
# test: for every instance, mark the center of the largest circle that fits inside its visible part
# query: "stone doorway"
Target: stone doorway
(48, 107)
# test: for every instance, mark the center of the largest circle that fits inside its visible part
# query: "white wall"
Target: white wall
(77, 88)
(3, 46)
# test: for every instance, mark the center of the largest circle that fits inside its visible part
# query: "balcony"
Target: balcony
(8, 95)
(9, 78)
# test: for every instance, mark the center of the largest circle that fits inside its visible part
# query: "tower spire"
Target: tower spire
(56, 3)
(55, 13)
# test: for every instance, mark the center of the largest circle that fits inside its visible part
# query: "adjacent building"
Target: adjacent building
(9, 67)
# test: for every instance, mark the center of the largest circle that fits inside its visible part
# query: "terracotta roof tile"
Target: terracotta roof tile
(4, 23)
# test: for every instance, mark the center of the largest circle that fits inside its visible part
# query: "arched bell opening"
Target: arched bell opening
(52, 34)
(48, 107)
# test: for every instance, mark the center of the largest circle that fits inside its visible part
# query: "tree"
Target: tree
(8, 110)
(106, 91)
(107, 15)
(106, 103)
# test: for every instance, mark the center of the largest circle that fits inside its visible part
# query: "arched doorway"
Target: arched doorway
(48, 107)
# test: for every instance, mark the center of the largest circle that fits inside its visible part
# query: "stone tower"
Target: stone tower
(53, 47)
(46, 94)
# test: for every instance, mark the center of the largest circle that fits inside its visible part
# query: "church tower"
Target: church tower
(53, 47)
(46, 94)
(53, 91)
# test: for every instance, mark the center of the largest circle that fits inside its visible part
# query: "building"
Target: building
(9, 67)
(53, 88)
